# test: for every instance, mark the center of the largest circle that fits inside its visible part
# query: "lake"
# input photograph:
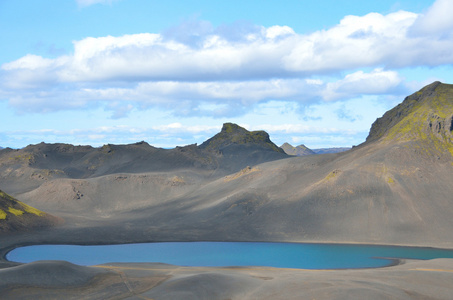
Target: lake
(280, 255)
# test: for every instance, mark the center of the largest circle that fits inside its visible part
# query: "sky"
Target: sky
(319, 73)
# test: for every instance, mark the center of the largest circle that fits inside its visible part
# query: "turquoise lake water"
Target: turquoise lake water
(281, 255)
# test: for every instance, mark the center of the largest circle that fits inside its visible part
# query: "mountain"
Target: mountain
(17, 216)
(233, 135)
(330, 150)
(228, 151)
(297, 151)
(425, 116)
(239, 147)
(302, 150)
(395, 188)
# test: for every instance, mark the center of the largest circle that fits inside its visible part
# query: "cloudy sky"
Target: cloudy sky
(172, 72)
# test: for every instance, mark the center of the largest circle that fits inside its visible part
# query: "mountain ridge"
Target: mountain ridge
(387, 190)
(226, 152)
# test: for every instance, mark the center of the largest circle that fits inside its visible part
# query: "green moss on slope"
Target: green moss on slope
(12, 206)
(16, 212)
(425, 116)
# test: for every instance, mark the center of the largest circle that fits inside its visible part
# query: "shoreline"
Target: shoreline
(62, 279)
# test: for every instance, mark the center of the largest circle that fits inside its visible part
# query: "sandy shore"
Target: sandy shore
(56, 279)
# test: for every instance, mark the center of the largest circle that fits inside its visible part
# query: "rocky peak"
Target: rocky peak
(234, 134)
(425, 116)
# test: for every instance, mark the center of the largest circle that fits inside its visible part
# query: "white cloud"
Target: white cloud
(277, 51)
(358, 83)
(437, 20)
(214, 99)
(355, 42)
(278, 31)
(29, 61)
(297, 128)
(180, 128)
(202, 70)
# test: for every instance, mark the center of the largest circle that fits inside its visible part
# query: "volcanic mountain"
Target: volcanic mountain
(229, 151)
(394, 188)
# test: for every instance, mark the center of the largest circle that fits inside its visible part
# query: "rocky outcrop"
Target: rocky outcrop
(420, 114)
(232, 134)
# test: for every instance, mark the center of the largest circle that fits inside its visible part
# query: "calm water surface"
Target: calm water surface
(282, 255)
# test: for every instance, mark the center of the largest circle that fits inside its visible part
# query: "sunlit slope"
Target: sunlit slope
(17, 216)
(426, 116)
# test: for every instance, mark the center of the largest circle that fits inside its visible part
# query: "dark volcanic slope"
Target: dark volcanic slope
(16, 216)
(239, 147)
(232, 135)
(229, 151)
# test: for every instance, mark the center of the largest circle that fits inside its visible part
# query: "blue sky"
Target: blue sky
(170, 73)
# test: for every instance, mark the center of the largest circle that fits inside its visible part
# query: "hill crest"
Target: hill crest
(234, 134)
(425, 116)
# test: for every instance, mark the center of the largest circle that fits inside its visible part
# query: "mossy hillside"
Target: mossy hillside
(9, 207)
(31, 210)
(430, 122)
(382, 125)
(16, 216)
(16, 212)
(234, 134)
(28, 158)
(425, 117)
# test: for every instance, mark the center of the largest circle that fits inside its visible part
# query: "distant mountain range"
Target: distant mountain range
(395, 188)
(228, 151)
(302, 150)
